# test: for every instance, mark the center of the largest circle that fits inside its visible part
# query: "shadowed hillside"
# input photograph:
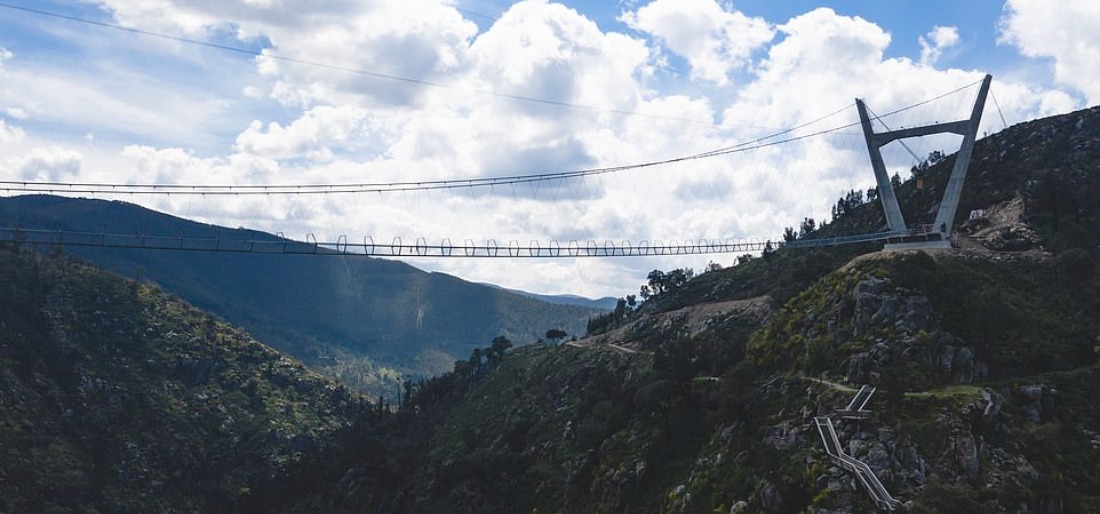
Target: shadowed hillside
(115, 397)
(366, 321)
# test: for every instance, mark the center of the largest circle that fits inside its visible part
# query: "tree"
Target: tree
(475, 358)
(789, 234)
(675, 279)
(645, 292)
(620, 310)
(657, 282)
(408, 386)
(677, 362)
(555, 335)
(807, 228)
(462, 368)
(498, 346)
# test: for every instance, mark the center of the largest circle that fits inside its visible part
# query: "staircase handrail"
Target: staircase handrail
(866, 476)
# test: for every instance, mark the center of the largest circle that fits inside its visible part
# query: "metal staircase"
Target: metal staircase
(860, 469)
(855, 408)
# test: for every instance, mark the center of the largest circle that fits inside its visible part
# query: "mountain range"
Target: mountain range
(364, 320)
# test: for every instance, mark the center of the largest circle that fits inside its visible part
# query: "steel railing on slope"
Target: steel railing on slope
(855, 408)
(860, 469)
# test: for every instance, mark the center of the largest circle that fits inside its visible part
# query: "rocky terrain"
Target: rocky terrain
(719, 416)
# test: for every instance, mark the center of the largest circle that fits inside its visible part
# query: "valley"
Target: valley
(120, 397)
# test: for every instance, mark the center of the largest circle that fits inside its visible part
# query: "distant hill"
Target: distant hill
(117, 397)
(364, 320)
(606, 303)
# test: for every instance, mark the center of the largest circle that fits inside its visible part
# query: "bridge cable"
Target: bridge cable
(345, 69)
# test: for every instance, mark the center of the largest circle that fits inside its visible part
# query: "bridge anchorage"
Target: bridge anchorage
(938, 234)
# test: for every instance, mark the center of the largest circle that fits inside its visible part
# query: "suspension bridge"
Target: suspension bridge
(897, 234)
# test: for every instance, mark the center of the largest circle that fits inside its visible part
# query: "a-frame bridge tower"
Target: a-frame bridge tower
(938, 235)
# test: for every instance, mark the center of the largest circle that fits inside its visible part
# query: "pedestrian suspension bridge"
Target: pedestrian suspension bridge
(897, 234)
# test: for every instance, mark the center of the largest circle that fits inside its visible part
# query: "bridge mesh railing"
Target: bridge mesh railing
(235, 243)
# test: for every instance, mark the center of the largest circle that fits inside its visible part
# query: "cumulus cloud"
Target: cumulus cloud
(311, 136)
(713, 39)
(1066, 32)
(935, 42)
(52, 165)
(832, 58)
(604, 105)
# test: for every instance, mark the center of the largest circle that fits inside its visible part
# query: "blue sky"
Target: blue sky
(906, 21)
(85, 103)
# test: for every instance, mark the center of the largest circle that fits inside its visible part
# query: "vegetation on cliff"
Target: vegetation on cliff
(703, 399)
(716, 414)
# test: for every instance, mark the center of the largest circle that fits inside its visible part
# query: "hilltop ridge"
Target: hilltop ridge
(364, 320)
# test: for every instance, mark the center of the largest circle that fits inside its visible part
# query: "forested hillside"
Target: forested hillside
(365, 321)
(117, 397)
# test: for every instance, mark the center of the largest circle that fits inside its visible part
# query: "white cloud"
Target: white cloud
(16, 113)
(714, 40)
(935, 42)
(312, 136)
(322, 125)
(1067, 32)
(10, 133)
(831, 59)
(419, 39)
(51, 165)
